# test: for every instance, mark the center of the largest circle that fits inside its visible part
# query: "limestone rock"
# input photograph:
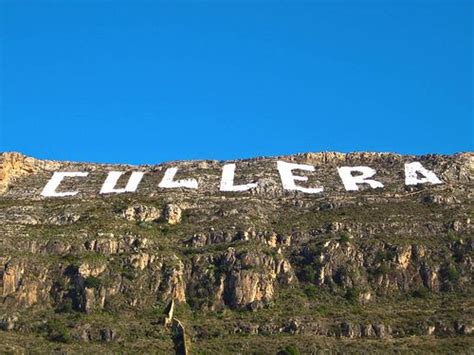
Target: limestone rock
(12, 166)
(172, 214)
(141, 213)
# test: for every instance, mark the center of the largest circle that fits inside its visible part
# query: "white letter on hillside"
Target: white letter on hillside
(168, 183)
(411, 174)
(288, 179)
(227, 181)
(112, 179)
(50, 188)
(350, 182)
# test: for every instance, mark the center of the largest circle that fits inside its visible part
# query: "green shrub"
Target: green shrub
(453, 236)
(308, 273)
(57, 331)
(342, 273)
(383, 269)
(352, 294)
(422, 292)
(60, 284)
(128, 273)
(311, 291)
(65, 307)
(92, 282)
(322, 310)
(344, 237)
(380, 257)
(291, 350)
(451, 274)
(145, 225)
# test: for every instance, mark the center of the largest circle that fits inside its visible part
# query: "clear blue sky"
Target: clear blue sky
(150, 81)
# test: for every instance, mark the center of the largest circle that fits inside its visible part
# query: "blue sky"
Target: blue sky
(150, 81)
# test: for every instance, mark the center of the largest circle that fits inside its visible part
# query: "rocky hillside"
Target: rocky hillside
(200, 268)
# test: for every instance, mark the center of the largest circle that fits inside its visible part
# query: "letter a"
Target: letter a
(411, 174)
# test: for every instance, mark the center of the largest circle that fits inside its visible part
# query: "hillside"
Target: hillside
(180, 258)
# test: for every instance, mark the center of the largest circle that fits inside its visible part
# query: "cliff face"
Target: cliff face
(255, 270)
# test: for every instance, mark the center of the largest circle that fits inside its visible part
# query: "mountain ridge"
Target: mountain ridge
(264, 269)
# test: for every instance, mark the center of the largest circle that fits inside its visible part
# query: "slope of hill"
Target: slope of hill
(278, 256)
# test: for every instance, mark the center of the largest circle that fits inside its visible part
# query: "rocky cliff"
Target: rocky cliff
(259, 270)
